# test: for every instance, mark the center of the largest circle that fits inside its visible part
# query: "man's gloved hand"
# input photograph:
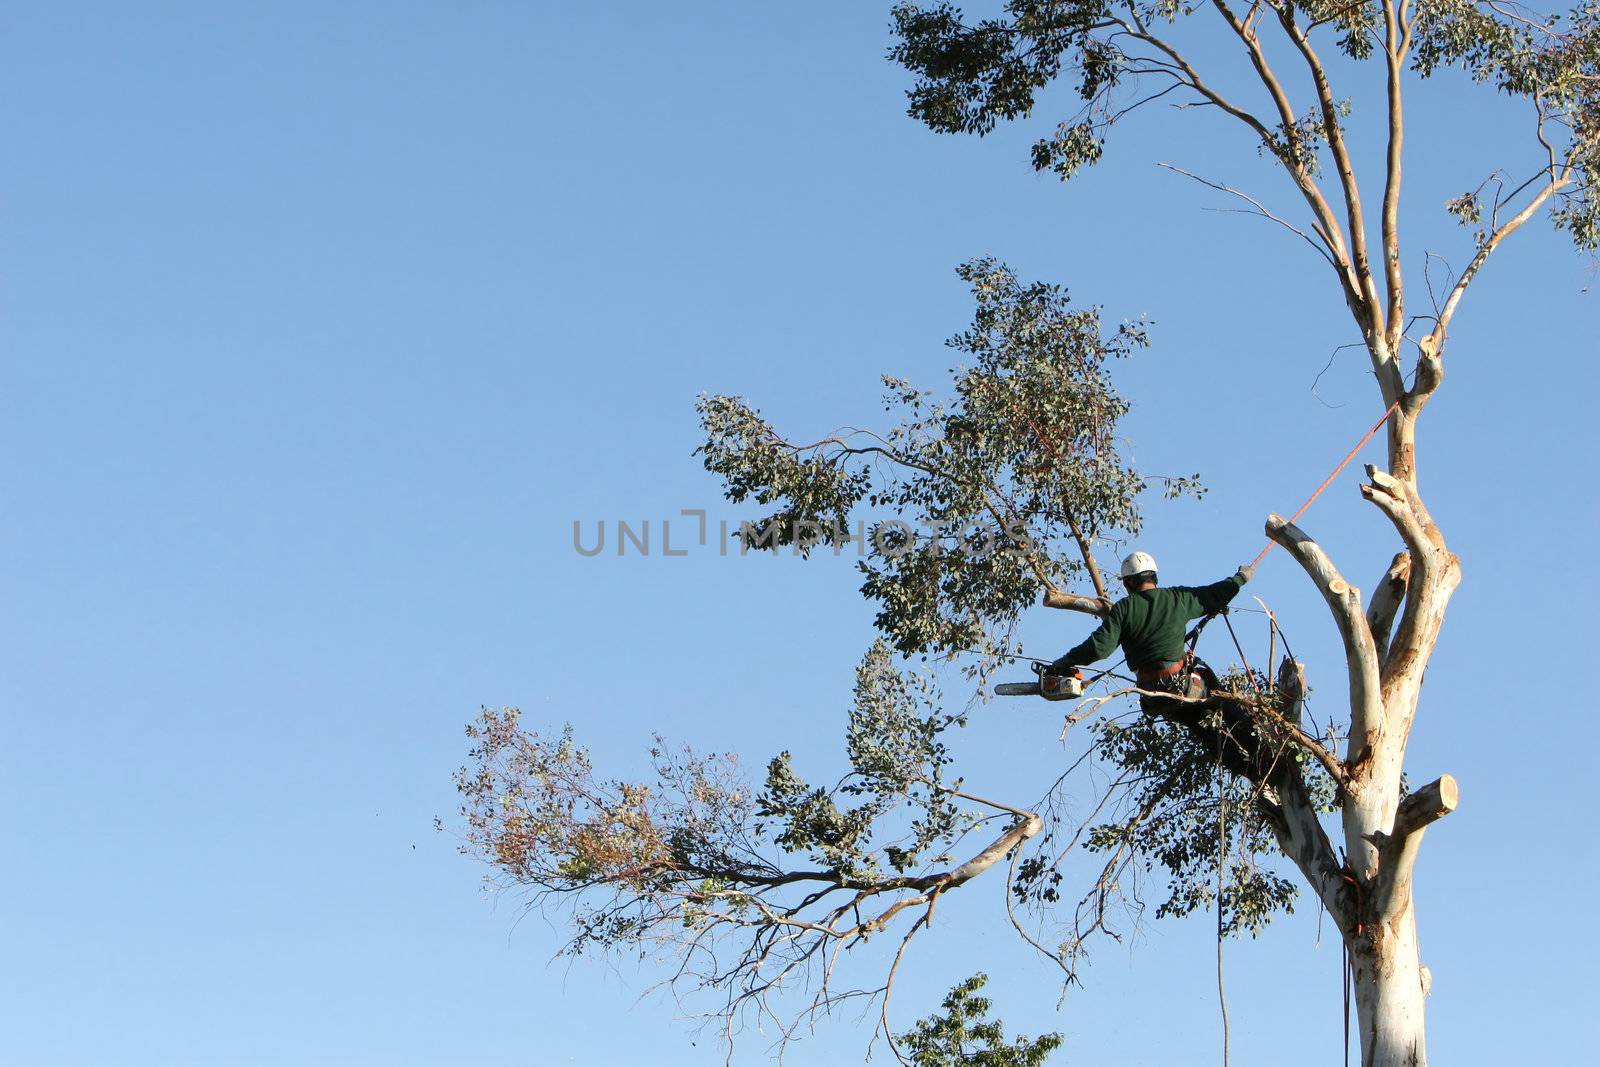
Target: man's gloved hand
(1246, 572)
(1061, 666)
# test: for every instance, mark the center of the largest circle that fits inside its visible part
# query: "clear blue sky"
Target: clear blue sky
(322, 323)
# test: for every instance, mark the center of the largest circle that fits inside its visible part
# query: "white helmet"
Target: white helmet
(1138, 563)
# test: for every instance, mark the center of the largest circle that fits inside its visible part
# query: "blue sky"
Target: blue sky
(322, 324)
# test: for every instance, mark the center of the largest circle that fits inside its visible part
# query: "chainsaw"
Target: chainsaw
(1047, 685)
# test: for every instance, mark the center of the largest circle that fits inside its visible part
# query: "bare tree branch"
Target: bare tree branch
(1361, 656)
(1360, 262)
(1088, 558)
(1259, 209)
(1558, 181)
(1386, 602)
(1397, 42)
(1327, 221)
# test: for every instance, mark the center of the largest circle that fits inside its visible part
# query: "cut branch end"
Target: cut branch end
(1055, 598)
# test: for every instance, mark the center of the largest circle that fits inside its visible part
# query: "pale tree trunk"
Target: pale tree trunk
(1371, 903)
(1369, 894)
(1391, 984)
(1389, 995)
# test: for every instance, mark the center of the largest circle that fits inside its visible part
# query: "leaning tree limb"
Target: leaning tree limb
(1361, 654)
(1386, 602)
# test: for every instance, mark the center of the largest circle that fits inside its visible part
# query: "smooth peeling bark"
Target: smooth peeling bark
(1391, 982)
(1390, 997)
(1386, 966)
(1382, 831)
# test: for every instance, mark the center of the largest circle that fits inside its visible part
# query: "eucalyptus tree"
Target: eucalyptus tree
(981, 498)
(1296, 59)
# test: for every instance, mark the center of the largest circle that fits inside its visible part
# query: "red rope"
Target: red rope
(1329, 479)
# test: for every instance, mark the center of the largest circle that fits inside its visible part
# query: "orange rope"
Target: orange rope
(1329, 479)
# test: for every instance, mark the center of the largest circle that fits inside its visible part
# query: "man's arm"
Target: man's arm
(1096, 646)
(1214, 597)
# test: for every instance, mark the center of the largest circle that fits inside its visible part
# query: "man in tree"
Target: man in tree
(1149, 624)
(1029, 433)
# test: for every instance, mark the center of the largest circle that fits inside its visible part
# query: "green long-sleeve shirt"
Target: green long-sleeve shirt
(1149, 624)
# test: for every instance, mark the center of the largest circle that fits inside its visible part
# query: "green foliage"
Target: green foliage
(1356, 24)
(897, 752)
(897, 758)
(963, 1036)
(818, 495)
(695, 841)
(1297, 145)
(973, 499)
(970, 75)
(1468, 210)
(1551, 59)
(1167, 806)
(812, 822)
(1072, 148)
(1175, 800)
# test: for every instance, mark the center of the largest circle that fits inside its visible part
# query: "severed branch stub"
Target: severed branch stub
(1398, 850)
(1426, 806)
(1400, 503)
(1055, 598)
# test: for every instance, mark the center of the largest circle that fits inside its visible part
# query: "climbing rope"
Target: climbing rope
(1222, 872)
(1329, 479)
